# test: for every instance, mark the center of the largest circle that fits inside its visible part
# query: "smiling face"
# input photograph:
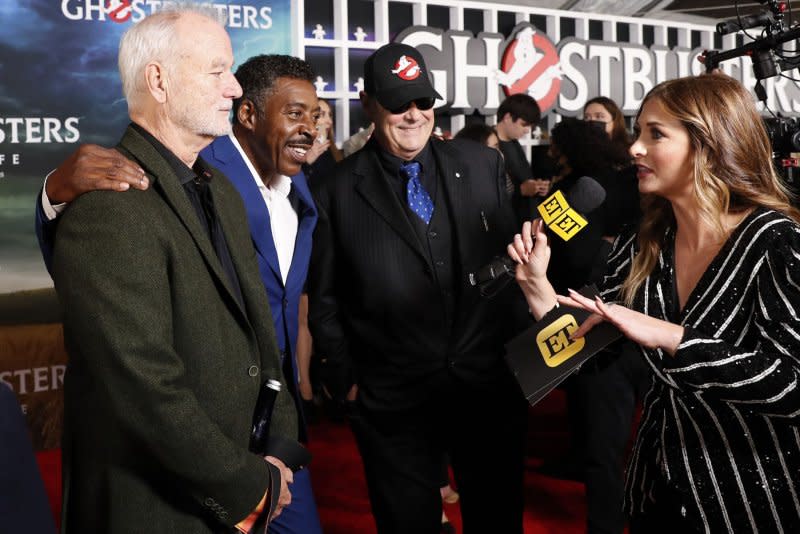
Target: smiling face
(663, 153)
(282, 129)
(403, 134)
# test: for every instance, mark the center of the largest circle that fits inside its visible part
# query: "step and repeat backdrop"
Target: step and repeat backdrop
(59, 87)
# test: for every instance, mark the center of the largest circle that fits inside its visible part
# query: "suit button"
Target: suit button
(285, 303)
(209, 502)
(253, 371)
(451, 364)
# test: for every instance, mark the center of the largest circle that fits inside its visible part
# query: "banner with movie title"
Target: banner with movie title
(60, 87)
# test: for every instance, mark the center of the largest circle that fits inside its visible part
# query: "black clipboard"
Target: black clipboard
(543, 356)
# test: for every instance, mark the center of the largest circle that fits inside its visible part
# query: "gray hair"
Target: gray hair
(153, 39)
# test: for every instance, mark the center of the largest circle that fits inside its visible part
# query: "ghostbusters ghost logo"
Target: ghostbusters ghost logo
(406, 68)
(530, 64)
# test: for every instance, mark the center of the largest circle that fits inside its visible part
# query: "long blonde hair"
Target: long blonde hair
(733, 169)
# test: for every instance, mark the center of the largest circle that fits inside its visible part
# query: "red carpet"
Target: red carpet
(552, 506)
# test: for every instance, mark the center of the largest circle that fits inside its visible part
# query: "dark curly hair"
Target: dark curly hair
(587, 148)
(258, 75)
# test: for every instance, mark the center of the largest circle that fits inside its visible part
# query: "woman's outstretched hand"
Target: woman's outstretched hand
(640, 328)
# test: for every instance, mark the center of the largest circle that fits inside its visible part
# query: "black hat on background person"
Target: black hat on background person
(396, 74)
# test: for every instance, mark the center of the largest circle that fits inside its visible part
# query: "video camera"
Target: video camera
(768, 60)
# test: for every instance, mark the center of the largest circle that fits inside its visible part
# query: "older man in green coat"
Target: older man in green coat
(166, 319)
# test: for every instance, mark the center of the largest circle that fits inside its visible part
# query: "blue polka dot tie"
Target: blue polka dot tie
(418, 199)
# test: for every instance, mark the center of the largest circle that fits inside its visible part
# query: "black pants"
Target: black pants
(601, 403)
(482, 431)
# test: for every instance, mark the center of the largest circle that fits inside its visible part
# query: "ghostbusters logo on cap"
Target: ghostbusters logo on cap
(406, 68)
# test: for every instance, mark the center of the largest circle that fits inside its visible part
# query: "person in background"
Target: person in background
(356, 142)
(606, 113)
(707, 288)
(274, 124)
(515, 117)
(165, 318)
(324, 154)
(481, 133)
(399, 330)
(622, 191)
(601, 397)
(320, 160)
(580, 149)
(486, 135)
(23, 498)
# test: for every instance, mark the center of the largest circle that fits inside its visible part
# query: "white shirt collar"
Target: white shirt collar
(280, 185)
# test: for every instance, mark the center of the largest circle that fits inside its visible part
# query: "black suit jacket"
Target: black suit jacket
(377, 315)
(165, 364)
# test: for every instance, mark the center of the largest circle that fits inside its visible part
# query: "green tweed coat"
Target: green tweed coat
(164, 364)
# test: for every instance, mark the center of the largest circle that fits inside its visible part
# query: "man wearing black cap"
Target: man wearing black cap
(403, 336)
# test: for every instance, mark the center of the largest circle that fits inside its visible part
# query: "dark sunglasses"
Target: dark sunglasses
(423, 104)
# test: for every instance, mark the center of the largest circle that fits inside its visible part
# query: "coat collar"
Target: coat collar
(377, 193)
(224, 154)
(165, 180)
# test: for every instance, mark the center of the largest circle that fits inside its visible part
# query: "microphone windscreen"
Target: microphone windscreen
(586, 195)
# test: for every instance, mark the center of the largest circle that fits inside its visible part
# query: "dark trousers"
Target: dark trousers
(601, 403)
(482, 431)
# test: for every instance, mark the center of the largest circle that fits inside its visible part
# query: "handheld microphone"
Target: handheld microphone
(293, 454)
(262, 415)
(562, 214)
(745, 23)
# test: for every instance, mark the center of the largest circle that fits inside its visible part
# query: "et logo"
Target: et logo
(560, 217)
(554, 343)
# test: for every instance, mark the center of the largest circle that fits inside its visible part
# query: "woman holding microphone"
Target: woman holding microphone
(709, 288)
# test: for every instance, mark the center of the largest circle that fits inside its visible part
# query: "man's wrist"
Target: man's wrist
(51, 211)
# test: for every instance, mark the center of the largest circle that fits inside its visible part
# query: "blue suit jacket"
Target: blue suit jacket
(284, 299)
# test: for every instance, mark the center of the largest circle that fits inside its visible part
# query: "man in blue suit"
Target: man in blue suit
(273, 127)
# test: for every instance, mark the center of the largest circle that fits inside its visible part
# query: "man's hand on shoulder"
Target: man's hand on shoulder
(92, 167)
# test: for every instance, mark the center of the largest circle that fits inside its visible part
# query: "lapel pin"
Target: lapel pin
(458, 175)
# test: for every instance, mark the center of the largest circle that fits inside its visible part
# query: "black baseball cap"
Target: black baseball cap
(395, 74)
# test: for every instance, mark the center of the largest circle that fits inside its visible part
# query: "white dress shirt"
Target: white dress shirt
(283, 219)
